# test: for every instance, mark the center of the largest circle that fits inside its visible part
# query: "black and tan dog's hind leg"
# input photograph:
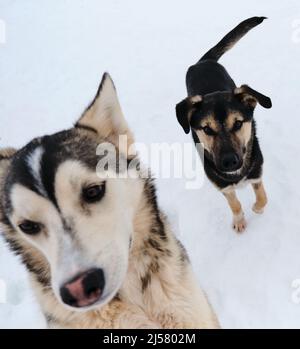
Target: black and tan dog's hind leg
(261, 197)
(238, 223)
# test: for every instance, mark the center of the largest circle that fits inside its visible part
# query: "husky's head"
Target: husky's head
(71, 225)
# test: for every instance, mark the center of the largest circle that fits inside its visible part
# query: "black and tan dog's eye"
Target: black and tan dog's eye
(30, 228)
(209, 131)
(237, 125)
(93, 193)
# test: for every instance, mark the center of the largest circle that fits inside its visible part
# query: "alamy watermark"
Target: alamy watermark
(165, 160)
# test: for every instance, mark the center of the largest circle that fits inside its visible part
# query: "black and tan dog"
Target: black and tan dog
(221, 118)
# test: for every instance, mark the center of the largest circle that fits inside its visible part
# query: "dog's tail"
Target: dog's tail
(232, 38)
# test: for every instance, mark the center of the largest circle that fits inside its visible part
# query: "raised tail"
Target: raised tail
(232, 38)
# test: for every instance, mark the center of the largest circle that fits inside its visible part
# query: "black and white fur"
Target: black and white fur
(149, 282)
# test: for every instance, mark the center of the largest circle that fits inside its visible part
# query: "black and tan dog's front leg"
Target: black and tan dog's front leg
(239, 222)
(261, 197)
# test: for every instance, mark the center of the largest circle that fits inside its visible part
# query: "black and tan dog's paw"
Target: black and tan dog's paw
(258, 209)
(239, 223)
(261, 198)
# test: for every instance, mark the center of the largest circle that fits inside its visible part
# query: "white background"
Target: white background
(50, 67)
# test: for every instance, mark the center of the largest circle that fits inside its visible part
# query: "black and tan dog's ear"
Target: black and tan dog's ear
(185, 109)
(104, 114)
(250, 97)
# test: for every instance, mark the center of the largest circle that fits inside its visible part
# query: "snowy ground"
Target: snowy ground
(50, 66)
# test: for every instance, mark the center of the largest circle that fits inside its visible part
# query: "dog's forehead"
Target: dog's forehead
(53, 149)
(35, 165)
(217, 106)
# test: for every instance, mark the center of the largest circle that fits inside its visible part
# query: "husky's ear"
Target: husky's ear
(250, 97)
(185, 109)
(6, 155)
(104, 115)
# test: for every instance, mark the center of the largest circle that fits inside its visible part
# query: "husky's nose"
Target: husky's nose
(230, 162)
(84, 290)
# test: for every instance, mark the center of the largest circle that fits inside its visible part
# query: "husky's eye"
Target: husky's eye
(93, 193)
(237, 125)
(209, 131)
(30, 228)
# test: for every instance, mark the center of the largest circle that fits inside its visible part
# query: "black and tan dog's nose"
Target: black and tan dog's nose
(230, 162)
(84, 290)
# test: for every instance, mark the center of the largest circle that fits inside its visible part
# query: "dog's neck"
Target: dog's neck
(151, 233)
(148, 220)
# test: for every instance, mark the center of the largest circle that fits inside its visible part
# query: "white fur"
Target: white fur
(34, 163)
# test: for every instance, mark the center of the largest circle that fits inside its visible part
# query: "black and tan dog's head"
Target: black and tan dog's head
(223, 122)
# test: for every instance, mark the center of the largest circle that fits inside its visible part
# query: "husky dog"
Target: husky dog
(99, 252)
(221, 118)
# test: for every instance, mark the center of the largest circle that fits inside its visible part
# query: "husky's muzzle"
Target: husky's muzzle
(83, 290)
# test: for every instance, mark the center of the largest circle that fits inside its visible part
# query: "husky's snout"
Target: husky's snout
(83, 290)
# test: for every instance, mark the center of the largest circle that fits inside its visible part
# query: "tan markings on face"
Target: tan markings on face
(244, 134)
(208, 141)
(211, 122)
(231, 119)
(246, 131)
(241, 137)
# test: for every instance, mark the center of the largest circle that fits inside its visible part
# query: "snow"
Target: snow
(50, 67)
